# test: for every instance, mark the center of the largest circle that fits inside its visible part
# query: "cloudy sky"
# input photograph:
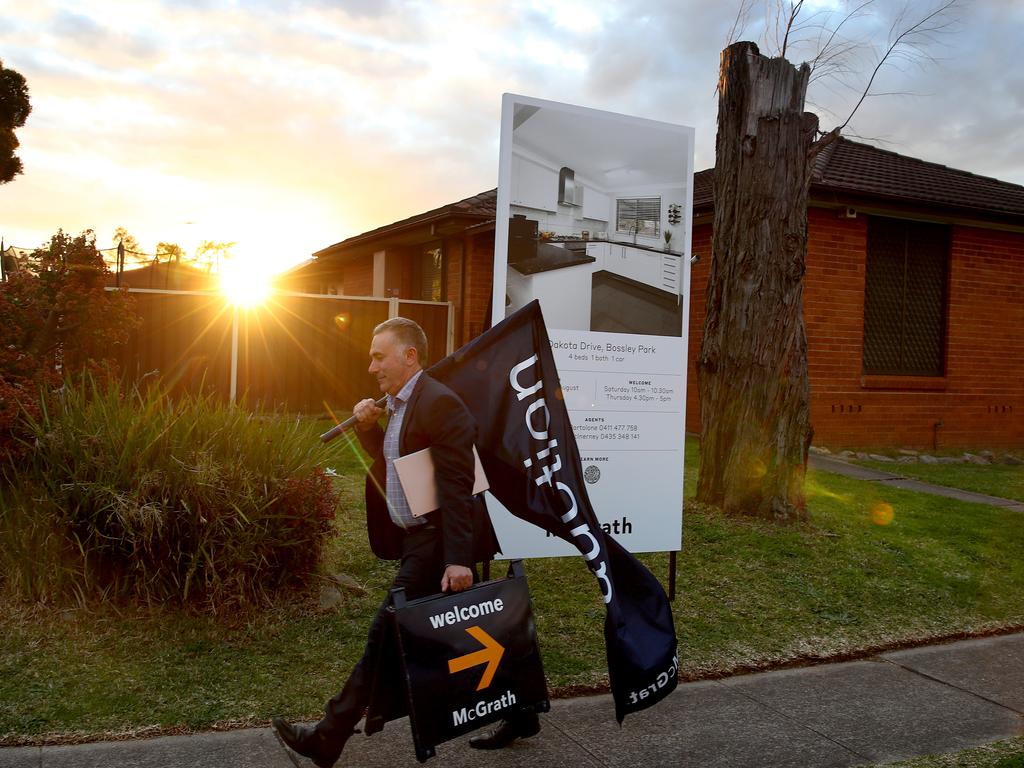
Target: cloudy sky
(288, 126)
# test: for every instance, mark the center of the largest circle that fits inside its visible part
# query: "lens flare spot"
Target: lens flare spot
(881, 513)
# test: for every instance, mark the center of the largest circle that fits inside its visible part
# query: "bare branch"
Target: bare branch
(832, 50)
(834, 62)
(740, 22)
(915, 36)
(817, 147)
(794, 12)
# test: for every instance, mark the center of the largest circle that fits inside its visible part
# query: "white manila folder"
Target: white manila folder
(416, 474)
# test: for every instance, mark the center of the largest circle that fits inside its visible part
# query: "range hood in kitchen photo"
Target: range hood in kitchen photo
(569, 193)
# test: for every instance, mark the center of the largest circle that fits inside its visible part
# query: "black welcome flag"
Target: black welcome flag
(507, 379)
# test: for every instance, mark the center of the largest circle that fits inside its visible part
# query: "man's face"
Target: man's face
(392, 363)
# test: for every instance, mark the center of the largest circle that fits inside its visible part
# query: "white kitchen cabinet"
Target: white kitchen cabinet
(534, 185)
(646, 266)
(641, 265)
(596, 205)
(598, 252)
(619, 261)
(564, 295)
(658, 270)
(671, 264)
(615, 259)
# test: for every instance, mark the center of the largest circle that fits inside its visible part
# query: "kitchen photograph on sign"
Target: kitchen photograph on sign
(594, 221)
(597, 219)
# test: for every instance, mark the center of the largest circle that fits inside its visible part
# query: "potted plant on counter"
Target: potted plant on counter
(668, 239)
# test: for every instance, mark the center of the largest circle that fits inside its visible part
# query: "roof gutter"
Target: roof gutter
(390, 229)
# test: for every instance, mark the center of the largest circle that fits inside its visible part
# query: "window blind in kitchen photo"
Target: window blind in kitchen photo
(641, 215)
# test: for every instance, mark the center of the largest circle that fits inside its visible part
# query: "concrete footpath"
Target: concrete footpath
(891, 707)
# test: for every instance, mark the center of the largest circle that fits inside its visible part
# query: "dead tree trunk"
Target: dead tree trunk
(754, 388)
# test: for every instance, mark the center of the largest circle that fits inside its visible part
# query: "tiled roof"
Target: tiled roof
(703, 188)
(850, 167)
(482, 206)
(844, 167)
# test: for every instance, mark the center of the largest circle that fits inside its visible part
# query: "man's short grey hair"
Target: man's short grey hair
(407, 333)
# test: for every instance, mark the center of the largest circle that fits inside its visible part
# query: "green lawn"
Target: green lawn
(1001, 754)
(994, 479)
(750, 595)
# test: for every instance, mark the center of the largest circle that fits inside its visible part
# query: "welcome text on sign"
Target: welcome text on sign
(466, 613)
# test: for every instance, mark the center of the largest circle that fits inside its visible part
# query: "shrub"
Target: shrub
(160, 499)
(56, 318)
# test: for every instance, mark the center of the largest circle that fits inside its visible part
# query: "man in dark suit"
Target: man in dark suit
(438, 551)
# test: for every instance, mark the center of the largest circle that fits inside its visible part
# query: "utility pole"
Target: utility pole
(120, 261)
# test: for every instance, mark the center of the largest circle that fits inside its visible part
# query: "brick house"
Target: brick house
(913, 301)
(446, 254)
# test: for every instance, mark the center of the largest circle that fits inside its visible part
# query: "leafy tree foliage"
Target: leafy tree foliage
(127, 239)
(169, 252)
(14, 110)
(56, 319)
(212, 254)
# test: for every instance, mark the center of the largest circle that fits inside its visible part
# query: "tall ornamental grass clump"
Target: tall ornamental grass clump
(136, 495)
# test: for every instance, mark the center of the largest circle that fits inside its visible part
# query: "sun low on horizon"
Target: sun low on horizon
(246, 283)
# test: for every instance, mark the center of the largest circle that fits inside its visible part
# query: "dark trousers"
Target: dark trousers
(420, 573)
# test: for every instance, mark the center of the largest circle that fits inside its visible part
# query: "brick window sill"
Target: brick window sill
(931, 383)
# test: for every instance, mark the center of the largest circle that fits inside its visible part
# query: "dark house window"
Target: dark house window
(429, 273)
(641, 215)
(905, 297)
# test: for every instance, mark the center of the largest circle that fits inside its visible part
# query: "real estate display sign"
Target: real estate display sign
(594, 221)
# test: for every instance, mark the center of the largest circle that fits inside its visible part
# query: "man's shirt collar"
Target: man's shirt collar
(404, 393)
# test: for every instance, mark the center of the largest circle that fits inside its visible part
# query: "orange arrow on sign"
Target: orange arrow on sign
(490, 655)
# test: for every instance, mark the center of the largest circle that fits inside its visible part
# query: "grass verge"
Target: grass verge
(1001, 754)
(876, 568)
(1000, 480)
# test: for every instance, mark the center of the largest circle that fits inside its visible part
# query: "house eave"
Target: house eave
(822, 196)
(422, 230)
(903, 207)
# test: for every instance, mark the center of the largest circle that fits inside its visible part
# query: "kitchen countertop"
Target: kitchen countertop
(641, 246)
(550, 257)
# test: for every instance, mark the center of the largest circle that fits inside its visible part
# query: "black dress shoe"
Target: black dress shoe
(520, 726)
(309, 742)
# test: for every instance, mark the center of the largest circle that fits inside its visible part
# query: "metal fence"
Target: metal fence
(301, 353)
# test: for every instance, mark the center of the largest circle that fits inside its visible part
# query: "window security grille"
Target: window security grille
(905, 297)
(641, 215)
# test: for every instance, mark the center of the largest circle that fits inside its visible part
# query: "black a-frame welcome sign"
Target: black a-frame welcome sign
(469, 658)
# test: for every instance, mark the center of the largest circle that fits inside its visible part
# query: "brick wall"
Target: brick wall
(980, 402)
(359, 276)
(985, 357)
(454, 252)
(834, 319)
(479, 279)
(699, 272)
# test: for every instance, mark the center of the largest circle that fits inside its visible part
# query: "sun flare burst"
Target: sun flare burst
(245, 285)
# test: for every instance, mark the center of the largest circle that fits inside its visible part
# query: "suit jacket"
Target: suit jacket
(434, 418)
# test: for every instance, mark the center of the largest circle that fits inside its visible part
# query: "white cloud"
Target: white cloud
(318, 120)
